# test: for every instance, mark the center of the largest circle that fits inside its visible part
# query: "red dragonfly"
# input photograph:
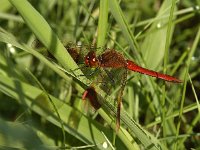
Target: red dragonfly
(115, 60)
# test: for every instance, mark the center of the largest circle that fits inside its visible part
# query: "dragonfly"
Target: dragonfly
(113, 59)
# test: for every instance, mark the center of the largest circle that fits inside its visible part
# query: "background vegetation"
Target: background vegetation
(40, 94)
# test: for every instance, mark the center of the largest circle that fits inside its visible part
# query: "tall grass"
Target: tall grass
(41, 104)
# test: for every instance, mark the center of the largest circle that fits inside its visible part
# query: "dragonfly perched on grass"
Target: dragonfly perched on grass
(113, 60)
(106, 66)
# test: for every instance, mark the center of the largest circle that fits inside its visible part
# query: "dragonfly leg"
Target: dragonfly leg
(82, 67)
(74, 70)
(93, 72)
(119, 99)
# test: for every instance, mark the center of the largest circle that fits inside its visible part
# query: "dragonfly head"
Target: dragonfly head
(91, 59)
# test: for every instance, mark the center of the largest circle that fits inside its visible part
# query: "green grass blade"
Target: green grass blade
(31, 138)
(103, 23)
(120, 18)
(153, 47)
(83, 128)
(195, 94)
(9, 39)
(194, 46)
(44, 33)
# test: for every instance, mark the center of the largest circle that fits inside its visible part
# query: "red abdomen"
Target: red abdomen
(134, 67)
